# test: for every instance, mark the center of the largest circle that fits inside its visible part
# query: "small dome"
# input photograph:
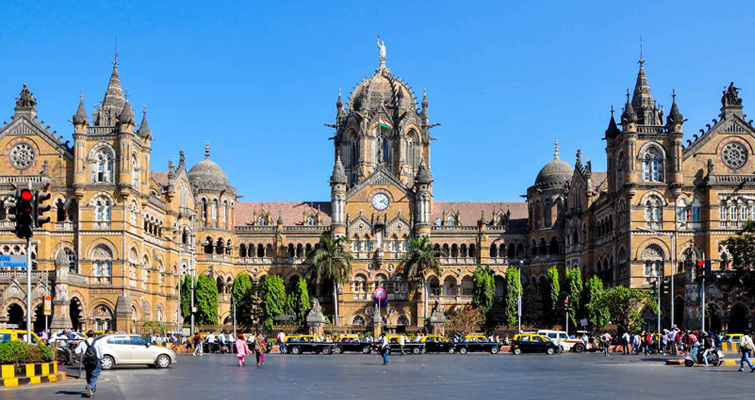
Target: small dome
(208, 175)
(555, 173)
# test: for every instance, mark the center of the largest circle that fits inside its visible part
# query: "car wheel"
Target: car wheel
(337, 350)
(720, 363)
(689, 363)
(463, 350)
(163, 361)
(494, 350)
(366, 350)
(295, 350)
(326, 351)
(416, 350)
(107, 362)
(579, 348)
(517, 351)
(451, 350)
(550, 351)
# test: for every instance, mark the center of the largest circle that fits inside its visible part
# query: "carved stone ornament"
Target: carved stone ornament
(734, 155)
(22, 156)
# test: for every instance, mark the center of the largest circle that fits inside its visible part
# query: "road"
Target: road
(473, 376)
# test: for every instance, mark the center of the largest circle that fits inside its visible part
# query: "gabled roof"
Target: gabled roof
(292, 212)
(381, 176)
(470, 212)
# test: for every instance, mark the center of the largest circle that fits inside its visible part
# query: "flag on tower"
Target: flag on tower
(384, 123)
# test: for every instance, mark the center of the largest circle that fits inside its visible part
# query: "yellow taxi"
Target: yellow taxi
(533, 343)
(477, 343)
(347, 343)
(437, 344)
(14, 335)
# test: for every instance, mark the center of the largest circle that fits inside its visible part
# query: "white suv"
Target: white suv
(563, 340)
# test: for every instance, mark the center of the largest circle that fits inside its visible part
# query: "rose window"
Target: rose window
(734, 155)
(22, 156)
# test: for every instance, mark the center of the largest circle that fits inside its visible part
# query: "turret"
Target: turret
(674, 124)
(80, 119)
(628, 117)
(126, 118)
(144, 131)
(423, 199)
(338, 182)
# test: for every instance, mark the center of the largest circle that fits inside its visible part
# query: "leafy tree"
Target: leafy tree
(273, 293)
(466, 321)
(206, 292)
(421, 259)
(573, 283)
(597, 313)
(532, 306)
(742, 250)
(483, 294)
(154, 326)
(298, 301)
(332, 262)
(186, 298)
(244, 294)
(513, 289)
(553, 294)
(624, 306)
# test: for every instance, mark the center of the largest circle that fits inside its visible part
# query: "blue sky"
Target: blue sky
(258, 79)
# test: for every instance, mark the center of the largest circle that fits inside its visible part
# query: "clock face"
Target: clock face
(380, 201)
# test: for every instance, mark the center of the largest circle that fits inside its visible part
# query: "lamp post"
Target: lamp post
(519, 295)
(675, 238)
(193, 276)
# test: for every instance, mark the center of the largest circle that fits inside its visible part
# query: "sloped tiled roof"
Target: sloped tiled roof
(292, 212)
(470, 211)
(160, 177)
(598, 177)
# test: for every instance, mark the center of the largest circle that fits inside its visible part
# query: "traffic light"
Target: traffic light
(654, 289)
(40, 208)
(24, 215)
(665, 287)
(700, 269)
(708, 267)
(566, 305)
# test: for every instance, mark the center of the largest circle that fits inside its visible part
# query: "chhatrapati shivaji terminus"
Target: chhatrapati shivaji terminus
(124, 232)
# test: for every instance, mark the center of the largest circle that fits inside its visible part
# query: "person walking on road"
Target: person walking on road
(606, 337)
(401, 343)
(91, 354)
(625, 338)
(242, 349)
(196, 341)
(746, 347)
(282, 342)
(258, 349)
(384, 348)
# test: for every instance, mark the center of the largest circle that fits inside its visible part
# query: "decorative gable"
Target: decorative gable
(381, 176)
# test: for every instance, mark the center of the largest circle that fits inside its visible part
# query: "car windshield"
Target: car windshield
(138, 340)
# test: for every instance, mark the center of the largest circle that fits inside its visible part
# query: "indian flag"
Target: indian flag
(384, 123)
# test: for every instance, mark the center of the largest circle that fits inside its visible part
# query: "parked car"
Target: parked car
(563, 340)
(477, 343)
(533, 343)
(438, 344)
(120, 349)
(298, 344)
(17, 335)
(351, 343)
(409, 346)
(732, 338)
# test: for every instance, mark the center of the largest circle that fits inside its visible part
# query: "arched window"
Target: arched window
(220, 246)
(355, 244)
(223, 212)
(208, 247)
(472, 252)
(358, 321)
(311, 220)
(135, 170)
(242, 250)
(103, 169)
(367, 243)
(71, 257)
(547, 212)
(204, 211)
(454, 250)
(261, 250)
(451, 220)
(652, 165)
(654, 211)
(102, 257)
(261, 220)
(299, 250)
(463, 250)
(228, 247)
(291, 250)
(183, 192)
(653, 256)
(536, 214)
(214, 213)
(102, 209)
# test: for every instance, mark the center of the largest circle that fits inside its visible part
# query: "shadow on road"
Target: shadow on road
(70, 393)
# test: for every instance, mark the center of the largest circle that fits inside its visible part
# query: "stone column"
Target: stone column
(61, 302)
(316, 319)
(122, 315)
(377, 324)
(438, 320)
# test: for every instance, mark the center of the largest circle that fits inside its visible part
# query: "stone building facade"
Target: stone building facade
(122, 235)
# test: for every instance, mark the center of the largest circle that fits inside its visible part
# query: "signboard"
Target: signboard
(17, 261)
(48, 305)
(583, 322)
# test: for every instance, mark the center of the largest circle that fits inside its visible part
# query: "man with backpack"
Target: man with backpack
(91, 354)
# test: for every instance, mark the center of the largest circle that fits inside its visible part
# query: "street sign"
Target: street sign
(17, 261)
(583, 322)
(380, 294)
(48, 305)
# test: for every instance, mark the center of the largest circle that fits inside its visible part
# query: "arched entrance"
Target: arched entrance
(75, 312)
(739, 319)
(15, 315)
(679, 311)
(713, 318)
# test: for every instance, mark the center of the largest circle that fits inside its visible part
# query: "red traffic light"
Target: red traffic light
(27, 195)
(566, 302)
(700, 263)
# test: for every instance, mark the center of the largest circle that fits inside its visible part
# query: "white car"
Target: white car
(563, 340)
(122, 349)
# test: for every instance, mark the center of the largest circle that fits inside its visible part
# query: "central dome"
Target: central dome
(208, 175)
(555, 173)
(382, 89)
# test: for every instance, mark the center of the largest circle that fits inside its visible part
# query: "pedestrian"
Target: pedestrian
(282, 342)
(746, 347)
(707, 345)
(401, 343)
(384, 348)
(221, 342)
(258, 349)
(625, 343)
(196, 341)
(606, 337)
(664, 342)
(647, 342)
(242, 349)
(91, 354)
(263, 343)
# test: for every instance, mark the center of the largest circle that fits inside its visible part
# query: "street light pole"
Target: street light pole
(519, 295)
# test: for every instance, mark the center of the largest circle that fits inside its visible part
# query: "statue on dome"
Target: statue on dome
(381, 51)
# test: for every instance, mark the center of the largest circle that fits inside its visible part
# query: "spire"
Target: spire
(113, 100)
(339, 175)
(423, 173)
(126, 115)
(339, 104)
(675, 116)
(642, 98)
(628, 115)
(144, 130)
(555, 150)
(424, 102)
(81, 117)
(612, 129)
(207, 150)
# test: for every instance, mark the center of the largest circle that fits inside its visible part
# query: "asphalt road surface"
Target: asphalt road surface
(357, 376)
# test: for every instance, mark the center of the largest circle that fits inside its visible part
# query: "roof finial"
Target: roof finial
(611, 110)
(555, 150)
(207, 149)
(673, 94)
(115, 58)
(381, 52)
(642, 60)
(627, 95)
(126, 94)
(81, 96)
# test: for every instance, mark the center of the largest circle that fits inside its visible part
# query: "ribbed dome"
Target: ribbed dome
(208, 175)
(555, 173)
(382, 87)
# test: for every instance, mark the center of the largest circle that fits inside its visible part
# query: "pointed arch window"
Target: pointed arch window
(102, 209)
(104, 165)
(311, 220)
(654, 211)
(451, 220)
(620, 171)
(135, 170)
(652, 165)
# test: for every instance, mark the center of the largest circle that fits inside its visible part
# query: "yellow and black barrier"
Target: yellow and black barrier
(730, 347)
(30, 374)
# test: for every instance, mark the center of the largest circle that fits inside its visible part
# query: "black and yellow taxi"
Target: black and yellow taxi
(351, 343)
(394, 345)
(533, 343)
(477, 343)
(298, 344)
(13, 335)
(438, 344)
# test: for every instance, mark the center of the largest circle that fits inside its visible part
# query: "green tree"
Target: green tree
(244, 296)
(513, 289)
(532, 305)
(298, 301)
(419, 261)
(624, 304)
(330, 262)
(273, 293)
(483, 294)
(186, 298)
(553, 294)
(573, 283)
(597, 313)
(206, 293)
(742, 250)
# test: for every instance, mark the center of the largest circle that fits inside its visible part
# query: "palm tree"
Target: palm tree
(330, 261)
(420, 260)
